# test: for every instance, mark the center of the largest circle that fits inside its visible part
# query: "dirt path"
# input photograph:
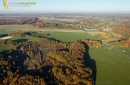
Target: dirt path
(3, 38)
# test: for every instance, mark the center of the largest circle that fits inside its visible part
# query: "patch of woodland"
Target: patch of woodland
(47, 62)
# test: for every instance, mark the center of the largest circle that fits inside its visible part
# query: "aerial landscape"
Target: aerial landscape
(57, 43)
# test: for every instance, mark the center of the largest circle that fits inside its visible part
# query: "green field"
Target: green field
(69, 36)
(4, 47)
(62, 36)
(3, 32)
(112, 68)
(127, 50)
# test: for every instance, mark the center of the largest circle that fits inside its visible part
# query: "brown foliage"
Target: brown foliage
(63, 64)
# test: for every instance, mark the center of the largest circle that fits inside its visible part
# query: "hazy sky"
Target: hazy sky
(70, 6)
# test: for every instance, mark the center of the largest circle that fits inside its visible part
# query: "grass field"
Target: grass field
(112, 68)
(127, 50)
(59, 34)
(70, 36)
(4, 47)
(3, 32)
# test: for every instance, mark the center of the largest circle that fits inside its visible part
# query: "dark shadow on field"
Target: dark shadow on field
(88, 62)
(3, 35)
(21, 40)
(52, 39)
(4, 52)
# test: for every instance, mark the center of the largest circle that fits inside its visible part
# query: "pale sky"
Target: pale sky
(70, 6)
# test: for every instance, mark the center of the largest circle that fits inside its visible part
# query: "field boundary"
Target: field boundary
(32, 28)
